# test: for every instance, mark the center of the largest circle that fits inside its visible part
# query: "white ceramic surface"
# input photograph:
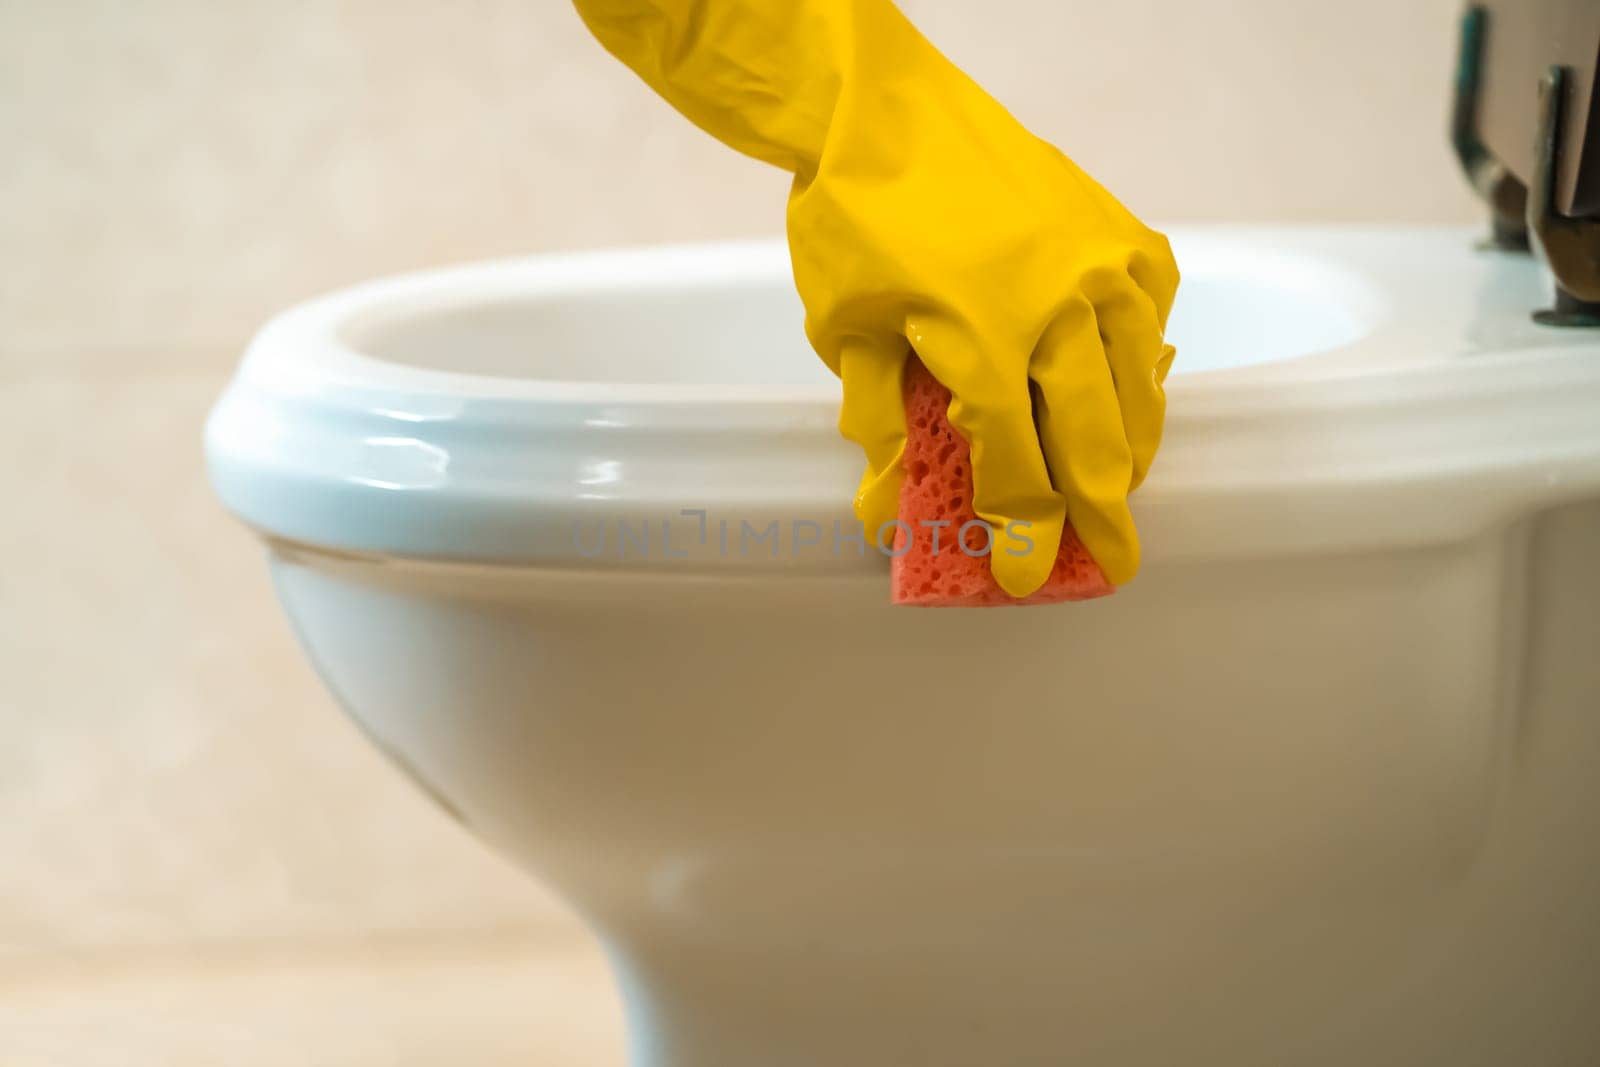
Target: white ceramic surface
(1318, 788)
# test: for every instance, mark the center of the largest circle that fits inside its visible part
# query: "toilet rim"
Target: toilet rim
(305, 350)
(308, 346)
(319, 443)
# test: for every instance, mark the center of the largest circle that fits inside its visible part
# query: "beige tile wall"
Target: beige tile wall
(172, 171)
(175, 170)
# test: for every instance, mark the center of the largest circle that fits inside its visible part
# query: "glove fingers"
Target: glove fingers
(1131, 332)
(1155, 271)
(1164, 364)
(873, 415)
(1011, 488)
(1080, 426)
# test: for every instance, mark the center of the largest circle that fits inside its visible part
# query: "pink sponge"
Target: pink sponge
(938, 486)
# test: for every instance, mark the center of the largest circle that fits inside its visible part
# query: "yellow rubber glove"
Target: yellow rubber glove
(924, 216)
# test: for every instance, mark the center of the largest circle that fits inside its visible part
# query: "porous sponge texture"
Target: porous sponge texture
(938, 487)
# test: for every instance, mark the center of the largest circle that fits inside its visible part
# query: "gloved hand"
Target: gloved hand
(924, 216)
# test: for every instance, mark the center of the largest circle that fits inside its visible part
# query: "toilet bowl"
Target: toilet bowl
(570, 539)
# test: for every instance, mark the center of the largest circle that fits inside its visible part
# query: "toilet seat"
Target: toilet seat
(1335, 388)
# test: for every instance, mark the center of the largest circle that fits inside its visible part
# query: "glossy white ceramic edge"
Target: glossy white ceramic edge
(1406, 436)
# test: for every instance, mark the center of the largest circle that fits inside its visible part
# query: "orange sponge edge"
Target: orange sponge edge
(938, 489)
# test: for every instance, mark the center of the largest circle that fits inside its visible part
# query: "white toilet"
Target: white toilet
(1321, 787)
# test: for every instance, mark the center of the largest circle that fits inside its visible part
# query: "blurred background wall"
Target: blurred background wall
(171, 172)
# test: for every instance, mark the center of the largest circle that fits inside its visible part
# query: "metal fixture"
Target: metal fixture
(1506, 196)
(1569, 246)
